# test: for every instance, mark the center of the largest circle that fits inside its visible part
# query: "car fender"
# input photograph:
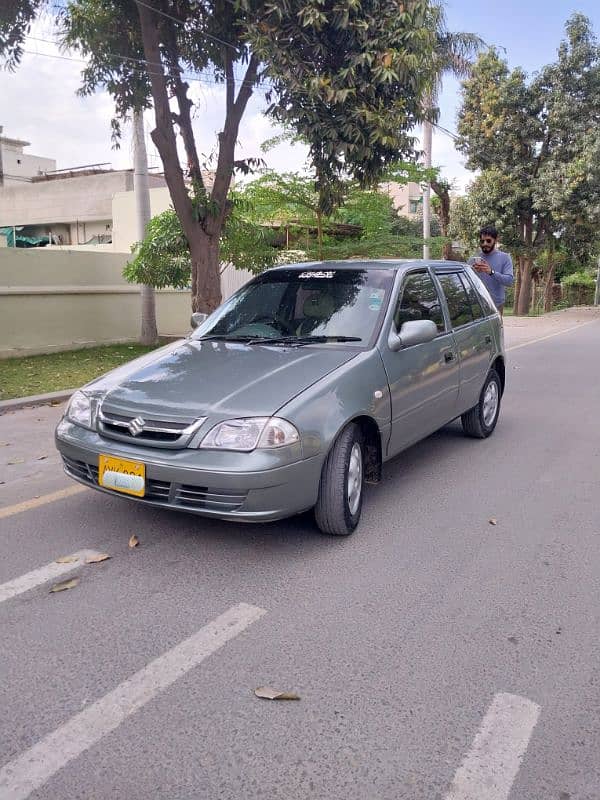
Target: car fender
(355, 389)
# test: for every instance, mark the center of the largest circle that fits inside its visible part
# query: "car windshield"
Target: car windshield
(295, 306)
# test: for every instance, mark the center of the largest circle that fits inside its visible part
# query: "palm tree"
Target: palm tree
(453, 54)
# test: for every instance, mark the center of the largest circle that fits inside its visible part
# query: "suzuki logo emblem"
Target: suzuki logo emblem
(136, 426)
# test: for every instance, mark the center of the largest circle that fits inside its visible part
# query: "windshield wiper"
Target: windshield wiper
(298, 341)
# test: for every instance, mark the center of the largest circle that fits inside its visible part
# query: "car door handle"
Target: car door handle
(448, 357)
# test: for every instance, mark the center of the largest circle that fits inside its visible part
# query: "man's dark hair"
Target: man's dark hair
(489, 230)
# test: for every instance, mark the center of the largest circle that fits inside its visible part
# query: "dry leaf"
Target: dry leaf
(67, 559)
(133, 541)
(267, 693)
(493, 521)
(41, 458)
(16, 461)
(96, 559)
(60, 587)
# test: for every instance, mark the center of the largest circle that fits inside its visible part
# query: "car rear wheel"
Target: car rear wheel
(481, 420)
(339, 504)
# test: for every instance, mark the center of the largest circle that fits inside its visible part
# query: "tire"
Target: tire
(339, 503)
(480, 421)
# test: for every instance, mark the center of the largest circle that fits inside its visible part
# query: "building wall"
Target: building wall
(71, 201)
(61, 299)
(17, 165)
(123, 215)
(407, 198)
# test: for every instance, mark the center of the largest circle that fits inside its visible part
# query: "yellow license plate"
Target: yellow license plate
(122, 475)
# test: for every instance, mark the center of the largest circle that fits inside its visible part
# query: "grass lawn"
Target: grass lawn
(20, 377)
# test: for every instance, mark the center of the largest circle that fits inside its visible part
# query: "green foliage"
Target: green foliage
(163, 258)
(584, 280)
(350, 81)
(537, 144)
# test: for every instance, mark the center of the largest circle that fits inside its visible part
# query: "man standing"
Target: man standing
(493, 267)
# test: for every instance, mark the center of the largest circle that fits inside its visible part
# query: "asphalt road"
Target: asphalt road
(437, 656)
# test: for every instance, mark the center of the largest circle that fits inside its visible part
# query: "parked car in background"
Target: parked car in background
(294, 392)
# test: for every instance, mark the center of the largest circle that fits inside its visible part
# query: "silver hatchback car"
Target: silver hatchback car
(294, 392)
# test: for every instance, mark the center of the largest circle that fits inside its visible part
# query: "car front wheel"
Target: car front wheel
(339, 504)
(481, 420)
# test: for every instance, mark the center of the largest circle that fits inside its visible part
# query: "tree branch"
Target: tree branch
(229, 81)
(163, 135)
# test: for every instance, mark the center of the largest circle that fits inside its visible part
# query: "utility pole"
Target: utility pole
(149, 332)
(597, 295)
(427, 147)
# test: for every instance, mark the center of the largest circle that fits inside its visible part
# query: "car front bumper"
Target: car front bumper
(194, 481)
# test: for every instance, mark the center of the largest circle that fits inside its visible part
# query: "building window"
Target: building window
(413, 206)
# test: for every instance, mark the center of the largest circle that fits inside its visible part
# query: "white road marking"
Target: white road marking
(550, 335)
(42, 575)
(35, 502)
(34, 767)
(491, 765)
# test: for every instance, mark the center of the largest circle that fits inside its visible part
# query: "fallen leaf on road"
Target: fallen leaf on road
(41, 458)
(96, 559)
(60, 587)
(267, 693)
(133, 541)
(16, 461)
(4, 444)
(2, 483)
(493, 521)
(67, 559)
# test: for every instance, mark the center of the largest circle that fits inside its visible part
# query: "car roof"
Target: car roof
(368, 264)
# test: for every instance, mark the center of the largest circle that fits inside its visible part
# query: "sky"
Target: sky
(39, 103)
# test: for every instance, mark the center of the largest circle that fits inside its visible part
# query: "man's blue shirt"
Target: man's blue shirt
(496, 284)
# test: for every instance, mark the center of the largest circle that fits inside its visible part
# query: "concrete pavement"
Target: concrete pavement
(437, 656)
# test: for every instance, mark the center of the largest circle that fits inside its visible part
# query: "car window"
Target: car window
(482, 293)
(476, 309)
(300, 303)
(459, 306)
(418, 300)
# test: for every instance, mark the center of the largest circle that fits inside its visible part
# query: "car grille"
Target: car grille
(153, 432)
(175, 495)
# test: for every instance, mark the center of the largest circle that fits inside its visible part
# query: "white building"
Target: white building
(16, 166)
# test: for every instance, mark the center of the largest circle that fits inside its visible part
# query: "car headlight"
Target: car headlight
(251, 433)
(79, 410)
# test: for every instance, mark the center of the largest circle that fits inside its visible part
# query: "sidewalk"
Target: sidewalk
(519, 331)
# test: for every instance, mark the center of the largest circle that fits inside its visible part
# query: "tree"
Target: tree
(348, 76)
(453, 54)
(537, 144)
(163, 258)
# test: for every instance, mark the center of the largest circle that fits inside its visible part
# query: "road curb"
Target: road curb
(35, 400)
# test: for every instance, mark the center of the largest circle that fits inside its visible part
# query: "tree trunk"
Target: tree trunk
(548, 296)
(427, 148)
(320, 234)
(442, 191)
(524, 300)
(204, 252)
(149, 330)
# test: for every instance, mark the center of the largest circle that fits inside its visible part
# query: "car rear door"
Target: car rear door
(472, 332)
(423, 378)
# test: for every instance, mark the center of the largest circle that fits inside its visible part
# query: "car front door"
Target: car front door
(423, 378)
(472, 332)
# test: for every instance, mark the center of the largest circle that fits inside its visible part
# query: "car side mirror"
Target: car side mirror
(413, 332)
(197, 319)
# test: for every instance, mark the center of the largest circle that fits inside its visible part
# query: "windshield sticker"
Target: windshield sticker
(376, 299)
(319, 274)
